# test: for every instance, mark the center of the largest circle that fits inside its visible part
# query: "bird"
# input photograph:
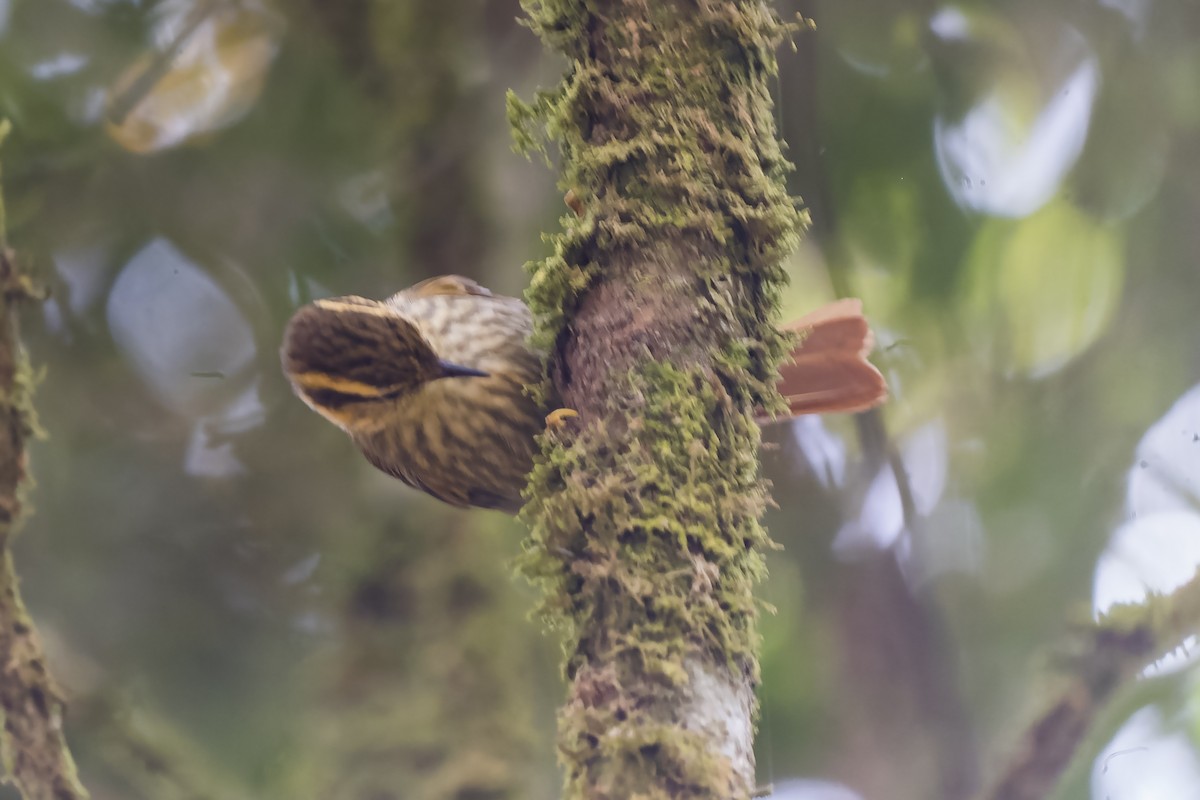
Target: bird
(430, 384)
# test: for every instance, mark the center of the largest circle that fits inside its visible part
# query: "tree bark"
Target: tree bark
(658, 310)
(32, 743)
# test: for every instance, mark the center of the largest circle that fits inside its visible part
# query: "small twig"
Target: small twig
(1115, 650)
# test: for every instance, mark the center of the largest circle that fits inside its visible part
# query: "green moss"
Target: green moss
(1130, 634)
(680, 761)
(646, 552)
(694, 150)
(664, 525)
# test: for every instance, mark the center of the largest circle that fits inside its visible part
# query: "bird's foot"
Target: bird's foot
(559, 416)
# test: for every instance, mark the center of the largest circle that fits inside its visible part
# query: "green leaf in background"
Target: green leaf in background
(206, 78)
(1128, 148)
(1041, 290)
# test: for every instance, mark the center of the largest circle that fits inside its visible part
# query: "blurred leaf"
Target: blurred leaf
(207, 77)
(1183, 87)
(974, 52)
(882, 223)
(1042, 290)
(1123, 164)
(1011, 124)
(877, 38)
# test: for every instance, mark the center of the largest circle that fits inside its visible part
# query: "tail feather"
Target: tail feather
(828, 372)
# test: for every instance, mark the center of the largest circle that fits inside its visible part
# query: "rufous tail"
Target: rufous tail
(828, 371)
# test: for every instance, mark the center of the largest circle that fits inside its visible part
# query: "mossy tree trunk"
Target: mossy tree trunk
(33, 746)
(658, 309)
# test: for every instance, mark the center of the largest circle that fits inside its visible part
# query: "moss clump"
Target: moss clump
(665, 125)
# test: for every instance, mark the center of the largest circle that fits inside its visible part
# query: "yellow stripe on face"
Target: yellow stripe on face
(342, 307)
(322, 380)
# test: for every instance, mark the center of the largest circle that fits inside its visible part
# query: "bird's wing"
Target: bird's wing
(446, 284)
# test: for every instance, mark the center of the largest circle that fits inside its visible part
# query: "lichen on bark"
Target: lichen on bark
(658, 311)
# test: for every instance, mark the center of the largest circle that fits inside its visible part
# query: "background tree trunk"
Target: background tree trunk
(33, 746)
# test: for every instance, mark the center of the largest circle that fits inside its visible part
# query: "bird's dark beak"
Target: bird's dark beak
(452, 370)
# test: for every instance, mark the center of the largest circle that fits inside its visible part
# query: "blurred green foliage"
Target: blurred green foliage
(1010, 186)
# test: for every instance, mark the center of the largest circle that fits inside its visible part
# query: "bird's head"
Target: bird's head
(345, 356)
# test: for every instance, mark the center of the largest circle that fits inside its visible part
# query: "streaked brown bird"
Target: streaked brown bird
(430, 384)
